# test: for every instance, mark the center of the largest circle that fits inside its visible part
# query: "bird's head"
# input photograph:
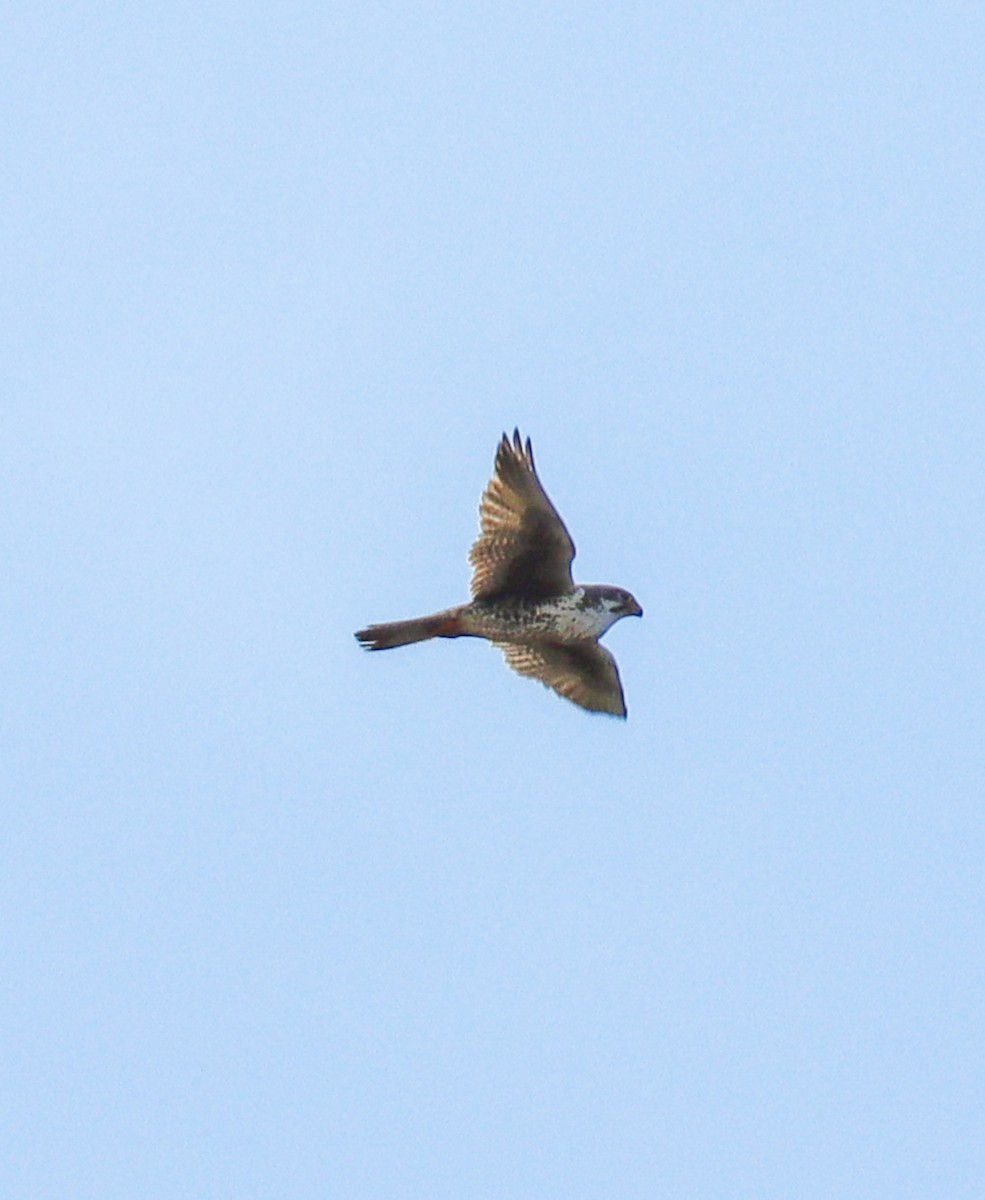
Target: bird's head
(622, 603)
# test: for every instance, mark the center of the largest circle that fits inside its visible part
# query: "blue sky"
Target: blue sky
(283, 919)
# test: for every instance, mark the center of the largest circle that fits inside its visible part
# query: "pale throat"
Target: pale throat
(578, 620)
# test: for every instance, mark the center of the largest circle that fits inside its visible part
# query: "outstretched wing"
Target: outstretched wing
(583, 672)
(523, 550)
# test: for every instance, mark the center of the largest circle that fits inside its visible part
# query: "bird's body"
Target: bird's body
(523, 597)
(571, 618)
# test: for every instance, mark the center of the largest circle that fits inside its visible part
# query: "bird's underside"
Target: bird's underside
(523, 597)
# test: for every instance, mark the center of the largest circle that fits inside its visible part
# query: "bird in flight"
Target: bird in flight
(524, 600)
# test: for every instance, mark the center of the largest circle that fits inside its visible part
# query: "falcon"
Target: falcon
(524, 600)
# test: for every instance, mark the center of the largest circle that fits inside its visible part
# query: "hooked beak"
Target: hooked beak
(634, 610)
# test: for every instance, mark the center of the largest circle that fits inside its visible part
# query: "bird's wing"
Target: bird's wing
(523, 550)
(583, 672)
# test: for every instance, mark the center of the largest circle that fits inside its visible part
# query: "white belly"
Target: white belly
(562, 619)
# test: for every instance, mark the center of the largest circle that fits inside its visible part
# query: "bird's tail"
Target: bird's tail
(405, 633)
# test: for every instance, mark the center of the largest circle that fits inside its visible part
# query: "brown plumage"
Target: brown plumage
(523, 550)
(523, 597)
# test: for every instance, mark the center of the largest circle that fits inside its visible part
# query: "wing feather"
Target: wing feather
(583, 672)
(523, 550)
